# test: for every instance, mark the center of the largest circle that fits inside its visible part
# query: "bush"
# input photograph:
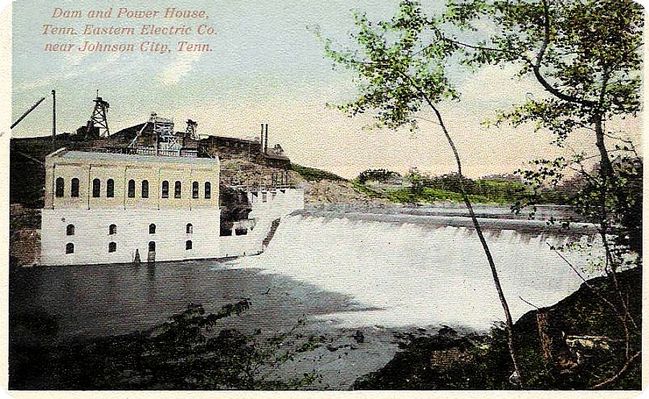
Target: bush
(313, 174)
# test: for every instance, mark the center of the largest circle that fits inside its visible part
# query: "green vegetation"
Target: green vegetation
(431, 195)
(430, 189)
(378, 175)
(183, 353)
(313, 174)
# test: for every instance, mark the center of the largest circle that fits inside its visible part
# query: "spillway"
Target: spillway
(418, 273)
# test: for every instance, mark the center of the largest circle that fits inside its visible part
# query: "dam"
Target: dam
(338, 272)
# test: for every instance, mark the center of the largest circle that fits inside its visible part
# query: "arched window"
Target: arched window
(152, 228)
(145, 189)
(60, 187)
(110, 188)
(190, 228)
(112, 229)
(69, 248)
(188, 244)
(208, 190)
(151, 246)
(74, 188)
(96, 188)
(195, 190)
(177, 189)
(69, 230)
(165, 189)
(112, 247)
(131, 188)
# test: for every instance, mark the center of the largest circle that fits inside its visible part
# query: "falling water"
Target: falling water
(412, 274)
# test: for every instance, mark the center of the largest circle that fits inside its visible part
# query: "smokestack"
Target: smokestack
(53, 114)
(266, 141)
(261, 138)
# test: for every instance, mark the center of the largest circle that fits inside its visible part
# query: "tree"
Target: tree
(402, 72)
(377, 175)
(586, 56)
(583, 53)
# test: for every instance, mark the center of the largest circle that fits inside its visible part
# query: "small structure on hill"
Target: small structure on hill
(97, 125)
(254, 150)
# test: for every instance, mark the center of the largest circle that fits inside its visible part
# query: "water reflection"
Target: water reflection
(115, 299)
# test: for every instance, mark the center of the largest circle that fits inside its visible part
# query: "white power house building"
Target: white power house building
(106, 208)
(113, 208)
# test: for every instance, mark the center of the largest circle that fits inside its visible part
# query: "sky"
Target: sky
(266, 66)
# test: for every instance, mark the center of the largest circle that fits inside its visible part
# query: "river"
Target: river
(334, 271)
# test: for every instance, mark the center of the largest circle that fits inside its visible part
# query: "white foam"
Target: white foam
(417, 275)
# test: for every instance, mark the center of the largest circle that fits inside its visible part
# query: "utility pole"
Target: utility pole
(53, 116)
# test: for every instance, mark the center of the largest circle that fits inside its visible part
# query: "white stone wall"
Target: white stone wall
(91, 236)
(278, 204)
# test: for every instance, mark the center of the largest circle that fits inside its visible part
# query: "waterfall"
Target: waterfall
(419, 274)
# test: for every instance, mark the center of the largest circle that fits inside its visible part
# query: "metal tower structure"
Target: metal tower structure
(190, 131)
(99, 118)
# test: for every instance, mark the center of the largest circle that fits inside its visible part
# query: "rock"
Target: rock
(515, 378)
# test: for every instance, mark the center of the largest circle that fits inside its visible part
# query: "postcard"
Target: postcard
(410, 196)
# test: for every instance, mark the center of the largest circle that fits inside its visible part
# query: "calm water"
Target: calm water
(114, 299)
(336, 272)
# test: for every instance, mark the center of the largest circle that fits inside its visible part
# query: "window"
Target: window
(177, 189)
(190, 228)
(69, 230)
(195, 190)
(74, 188)
(151, 246)
(264, 197)
(96, 188)
(112, 247)
(112, 229)
(60, 183)
(145, 189)
(69, 248)
(165, 189)
(188, 244)
(152, 228)
(110, 188)
(131, 188)
(208, 190)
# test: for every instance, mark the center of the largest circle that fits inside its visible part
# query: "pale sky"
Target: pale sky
(266, 67)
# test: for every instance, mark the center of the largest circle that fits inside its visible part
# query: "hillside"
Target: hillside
(320, 187)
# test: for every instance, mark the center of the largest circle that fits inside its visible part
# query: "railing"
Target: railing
(260, 187)
(147, 151)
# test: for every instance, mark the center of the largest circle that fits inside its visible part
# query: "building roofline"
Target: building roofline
(57, 153)
(65, 154)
